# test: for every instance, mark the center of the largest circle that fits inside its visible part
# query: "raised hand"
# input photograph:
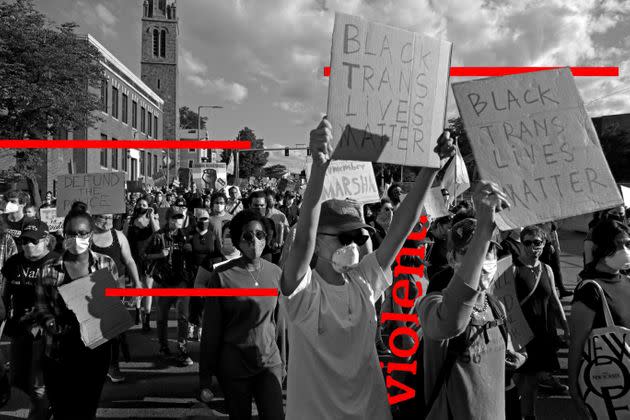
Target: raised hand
(489, 200)
(446, 146)
(321, 143)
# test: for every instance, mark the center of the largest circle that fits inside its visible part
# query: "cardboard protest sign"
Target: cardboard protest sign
(135, 186)
(530, 134)
(387, 92)
(348, 179)
(100, 318)
(504, 289)
(104, 193)
(625, 191)
(49, 216)
(159, 179)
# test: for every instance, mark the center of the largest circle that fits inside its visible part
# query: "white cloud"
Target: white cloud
(229, 91)
(190, 64)
(294, 107)
(98, 16)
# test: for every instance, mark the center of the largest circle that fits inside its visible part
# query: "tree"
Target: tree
(275, 171)
(250, 163)
(49, 79)
(459, 133)
(188, 119)
(616, 147)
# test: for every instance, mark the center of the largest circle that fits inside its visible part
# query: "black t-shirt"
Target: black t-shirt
(21, 276)
(12, 228)
(617, 292)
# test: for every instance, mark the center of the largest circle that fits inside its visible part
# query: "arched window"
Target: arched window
(162, 6)
(150, 8)
(156, 42)
(163, 43)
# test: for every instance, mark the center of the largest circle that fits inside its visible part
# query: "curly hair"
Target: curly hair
(238, 223)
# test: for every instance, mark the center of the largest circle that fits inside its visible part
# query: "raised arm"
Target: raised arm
(303, 247)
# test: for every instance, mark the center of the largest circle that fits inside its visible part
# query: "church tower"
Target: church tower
(158, 65)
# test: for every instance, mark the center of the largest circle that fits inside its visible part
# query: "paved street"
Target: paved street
(157, 391)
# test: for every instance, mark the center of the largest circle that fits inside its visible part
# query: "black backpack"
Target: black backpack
(417, 407)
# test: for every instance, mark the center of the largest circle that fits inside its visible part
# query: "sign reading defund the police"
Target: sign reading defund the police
(104, 193)
(530, 133)
(386, 93)
(349, 179)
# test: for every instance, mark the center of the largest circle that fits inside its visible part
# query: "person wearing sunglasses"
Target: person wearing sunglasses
(74, 374)
(22, 272)
(333, 368)
(540, 304)
(239, 341)
(203, 247)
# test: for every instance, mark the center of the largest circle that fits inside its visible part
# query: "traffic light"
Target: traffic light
(286, 151)
(308, 151)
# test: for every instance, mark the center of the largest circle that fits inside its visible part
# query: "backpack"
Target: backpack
(417, 407)
(604, 371)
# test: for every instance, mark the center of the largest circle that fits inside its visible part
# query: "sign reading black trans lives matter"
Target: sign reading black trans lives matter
(387, 93)
(104, 193)
(530, 134)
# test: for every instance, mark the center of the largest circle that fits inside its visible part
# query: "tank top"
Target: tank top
(114, 251)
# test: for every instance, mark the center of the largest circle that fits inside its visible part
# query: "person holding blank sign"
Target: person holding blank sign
(334, 370)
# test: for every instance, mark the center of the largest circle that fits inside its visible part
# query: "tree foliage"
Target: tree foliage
(275, 171)
(616, 147)
(188, 119)
(251, 163)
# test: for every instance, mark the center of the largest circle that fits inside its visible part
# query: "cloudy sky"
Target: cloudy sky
(263, 59)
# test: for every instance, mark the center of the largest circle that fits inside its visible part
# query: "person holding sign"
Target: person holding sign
(333, 368)
(74, 374)
(611, 255)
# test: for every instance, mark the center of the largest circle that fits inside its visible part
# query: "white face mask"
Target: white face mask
(488, 270)
(219, 208)
(11, 207)
(345, 258)
(76, 245)
(620, 260)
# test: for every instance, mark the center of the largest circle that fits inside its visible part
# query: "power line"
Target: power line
(610, 94)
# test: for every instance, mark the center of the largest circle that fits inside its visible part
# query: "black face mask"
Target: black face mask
(203, 225)
(143, 211)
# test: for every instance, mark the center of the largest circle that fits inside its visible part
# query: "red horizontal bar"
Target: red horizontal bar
(504, 71)
(197, 292)
(124, 144)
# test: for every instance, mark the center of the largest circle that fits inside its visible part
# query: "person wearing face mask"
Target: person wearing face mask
(204, 250)
(74, 374)
(541, 307)
(290, 208)
(610, 257)
(169, 267)
(276, 225)
(333, 366)
(465, 338)
(49, 201)
(239, 341)
(22, 272)
(13, 218)
(218, 216)
(108, 241)
(143, 226)
(616, 214)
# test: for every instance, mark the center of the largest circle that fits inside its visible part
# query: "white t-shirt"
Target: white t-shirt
(334, 372)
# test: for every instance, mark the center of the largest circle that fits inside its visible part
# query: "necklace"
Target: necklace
(258, 269)
(484, 307)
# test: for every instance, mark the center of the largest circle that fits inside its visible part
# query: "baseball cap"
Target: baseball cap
(34, 230)
(462, 233)
(342, 215)
(180, 202)
(172, 213)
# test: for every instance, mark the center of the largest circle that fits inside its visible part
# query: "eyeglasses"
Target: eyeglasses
(30, 241)
(390, 209)
(346, 238)
(249, 236)
(80, 235)
(535, 242)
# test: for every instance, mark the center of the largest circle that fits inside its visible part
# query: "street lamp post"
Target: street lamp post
(199, 117)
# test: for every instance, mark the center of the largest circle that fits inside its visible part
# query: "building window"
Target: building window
(114, 102)
(143, 126)
(114, 157)
(125, 110)
(149, 164)
(104, 152)
(134, 169)
(104, 95)
(155, 164)
(155, 127)
(158, 83)
(151, 8)
(125, 156)
(190, 163)
(142, 162)
(149, 124)
(156, 42)
(163, 43)
(134, 114)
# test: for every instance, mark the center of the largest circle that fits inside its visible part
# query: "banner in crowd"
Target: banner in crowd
(348, 179)
(160, 179)
(504, 289)
(104, 193)
(101, 318)
(625, 191)
(434, 203)
(135, 186)
(215, 175)
(49, 216)
(386, 93)
(531, 134)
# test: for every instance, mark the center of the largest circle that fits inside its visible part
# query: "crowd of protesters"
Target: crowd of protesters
(320, 338)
